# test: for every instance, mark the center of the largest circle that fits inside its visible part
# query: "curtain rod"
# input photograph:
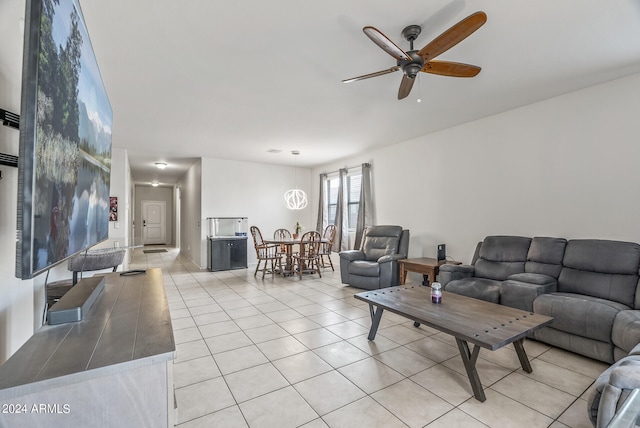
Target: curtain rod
(348, 168)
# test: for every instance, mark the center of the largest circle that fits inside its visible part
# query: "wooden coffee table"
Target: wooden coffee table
(483, 324)
(427, 266)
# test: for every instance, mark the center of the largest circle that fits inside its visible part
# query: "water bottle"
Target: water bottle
(436, 292)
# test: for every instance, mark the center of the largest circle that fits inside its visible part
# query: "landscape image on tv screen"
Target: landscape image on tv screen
(65, 141)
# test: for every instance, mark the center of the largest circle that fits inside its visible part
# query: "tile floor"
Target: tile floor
(284, 352)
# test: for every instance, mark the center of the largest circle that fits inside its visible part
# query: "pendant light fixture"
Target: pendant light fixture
(295, 199)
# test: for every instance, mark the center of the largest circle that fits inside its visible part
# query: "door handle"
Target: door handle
(144, 223)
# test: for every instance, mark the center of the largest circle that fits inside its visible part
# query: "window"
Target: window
(353, 199)
(332, 198)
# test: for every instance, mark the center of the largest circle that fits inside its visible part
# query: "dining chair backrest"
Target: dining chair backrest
(282, 234)
(257, 236)
(329, 233)
(328, 236)
(310, 244)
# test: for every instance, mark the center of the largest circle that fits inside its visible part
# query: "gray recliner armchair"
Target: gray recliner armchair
(612, 388)
(375, 264)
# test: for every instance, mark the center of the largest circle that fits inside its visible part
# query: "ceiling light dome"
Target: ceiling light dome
(161, 165)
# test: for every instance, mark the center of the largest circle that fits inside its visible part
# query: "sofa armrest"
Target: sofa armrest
(625, 333)
(623, 379)
(450, 272)
(521, 289)
(346, 257)
(391, 258)
(351, 255)
(635, 350)
(626, 375)
(533, 278)
(390, 269)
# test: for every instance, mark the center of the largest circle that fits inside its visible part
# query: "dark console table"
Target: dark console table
(113, 368)
(226, 253)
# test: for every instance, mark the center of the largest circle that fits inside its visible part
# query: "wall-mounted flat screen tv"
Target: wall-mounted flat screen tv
(64, 158)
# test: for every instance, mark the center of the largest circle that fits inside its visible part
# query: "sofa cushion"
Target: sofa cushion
(478, 288)
(364, 268)
(600, 268)
(380, 241)
(618, 288)
(580, 315)
(545, 256)
(595, 255)
(501, 256)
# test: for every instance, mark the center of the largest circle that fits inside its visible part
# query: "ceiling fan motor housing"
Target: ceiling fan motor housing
(413, 67)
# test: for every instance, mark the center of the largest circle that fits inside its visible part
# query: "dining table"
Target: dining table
(288, 245)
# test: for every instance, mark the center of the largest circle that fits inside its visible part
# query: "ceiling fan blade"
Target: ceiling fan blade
(387, 45)
(453, 69)
(453, 36)
(376, 74)
(405, 86)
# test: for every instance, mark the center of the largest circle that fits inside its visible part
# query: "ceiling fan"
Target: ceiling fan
(413, 61)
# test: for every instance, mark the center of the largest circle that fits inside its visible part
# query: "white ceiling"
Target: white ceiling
(231, 80)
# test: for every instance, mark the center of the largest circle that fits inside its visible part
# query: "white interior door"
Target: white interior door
(153, 222)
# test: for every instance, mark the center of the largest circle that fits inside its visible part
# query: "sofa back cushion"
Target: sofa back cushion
(380, 241)
(545, 256)
(501, 256)
(601, 268)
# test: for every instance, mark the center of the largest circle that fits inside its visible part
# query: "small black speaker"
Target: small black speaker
(442, 252)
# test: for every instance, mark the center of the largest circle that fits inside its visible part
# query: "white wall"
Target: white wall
(190, 185)
(17, 317)
(120, 188)
(16, 297)
(566, 167)
(256, 191)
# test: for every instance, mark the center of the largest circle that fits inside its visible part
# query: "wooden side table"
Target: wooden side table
(427, 266)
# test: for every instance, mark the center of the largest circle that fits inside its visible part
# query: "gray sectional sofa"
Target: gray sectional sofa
(590, 287)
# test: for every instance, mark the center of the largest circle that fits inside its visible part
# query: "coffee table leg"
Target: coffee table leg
(375, 321)
(469, 359)
(522, 355)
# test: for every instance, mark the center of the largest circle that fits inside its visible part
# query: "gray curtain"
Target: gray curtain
(365, 209)
(342, 231)
(322, 204)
